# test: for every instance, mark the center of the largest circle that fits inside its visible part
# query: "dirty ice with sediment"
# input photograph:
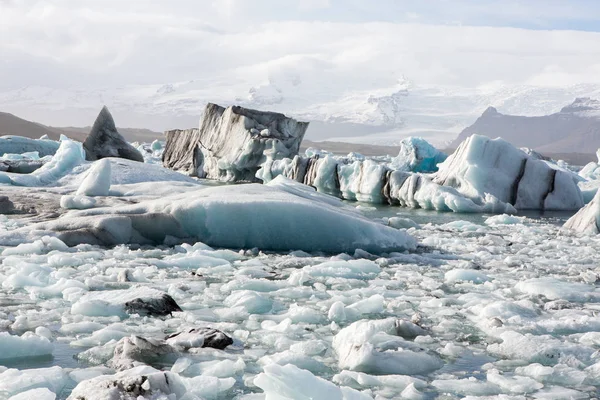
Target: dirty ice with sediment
(220, 263)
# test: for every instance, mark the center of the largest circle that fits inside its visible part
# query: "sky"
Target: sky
(341, 46)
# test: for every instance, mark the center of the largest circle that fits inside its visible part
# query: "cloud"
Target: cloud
(314, 52)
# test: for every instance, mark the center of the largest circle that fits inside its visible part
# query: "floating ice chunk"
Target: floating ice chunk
(140, 300)
(289, 382)
(559, 374)
(27, 345)
(251, 301)
(466, 275)
(97, 180)
(587, 220)
(292, 358)
(77, 202)
(134, 350)
(417, 155)
(534, 349)
(353, 269)
(37, 394)
(79, 375)
(504, 219)
(468, 386)
(360, 379)
(483, 166)
(69, 155)
(514, 384)
(357, 350)
(10, 144)
(402, 223)
(13, 381)
(147, 382)
(556, 289)
(242, 216)
(41, 246)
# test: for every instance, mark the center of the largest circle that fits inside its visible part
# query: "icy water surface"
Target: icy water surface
(485, 306)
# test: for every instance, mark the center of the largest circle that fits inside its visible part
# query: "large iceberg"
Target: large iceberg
(483, 175)
(232, 143)
(282, 215)
(105, 141)
(484, 166)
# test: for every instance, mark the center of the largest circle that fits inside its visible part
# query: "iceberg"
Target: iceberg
(418, 155)
(278, 216)
(483, 166)
(232, 143)
(18, 145)
(105, 141)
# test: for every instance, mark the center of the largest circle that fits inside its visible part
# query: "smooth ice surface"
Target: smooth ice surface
(262, 216)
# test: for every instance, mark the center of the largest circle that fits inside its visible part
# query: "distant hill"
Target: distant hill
(12, 125)
(574, 129)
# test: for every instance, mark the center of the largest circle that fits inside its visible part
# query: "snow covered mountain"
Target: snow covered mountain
(575, 128)
(374, 116)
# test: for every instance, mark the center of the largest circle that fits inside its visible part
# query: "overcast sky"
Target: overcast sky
(340, 46)
(461, 42)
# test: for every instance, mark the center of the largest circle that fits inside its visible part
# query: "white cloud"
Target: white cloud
(316, 51)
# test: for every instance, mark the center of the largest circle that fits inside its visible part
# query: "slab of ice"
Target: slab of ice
(556, 289)
(13, 381)
(232, 143)
(244, 216)
(289, 382)
(37, 394)
(105, 141)
(18, 145)
(27, 345)
(417, 155)
(97, 180)
(357, 347)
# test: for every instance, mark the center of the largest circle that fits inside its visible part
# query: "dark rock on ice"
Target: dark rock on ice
(105, 141)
